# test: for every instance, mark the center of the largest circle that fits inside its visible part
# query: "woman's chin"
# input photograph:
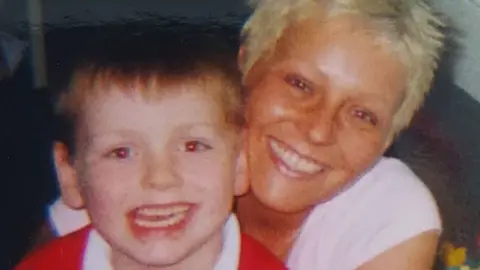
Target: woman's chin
(278, 200)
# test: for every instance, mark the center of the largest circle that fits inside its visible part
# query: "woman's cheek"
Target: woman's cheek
(272, 110)
(360, 150)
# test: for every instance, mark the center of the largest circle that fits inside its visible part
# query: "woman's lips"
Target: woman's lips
(160, 219)
(291, 163)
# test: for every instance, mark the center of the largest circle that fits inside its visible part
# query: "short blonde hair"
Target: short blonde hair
(409, 27)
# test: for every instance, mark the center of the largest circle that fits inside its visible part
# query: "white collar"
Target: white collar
(97, 251)
(230, 256)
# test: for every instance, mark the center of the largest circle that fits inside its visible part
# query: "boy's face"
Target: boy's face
(156, 176)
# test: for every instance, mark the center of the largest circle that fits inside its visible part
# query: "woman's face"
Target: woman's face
(319, 112)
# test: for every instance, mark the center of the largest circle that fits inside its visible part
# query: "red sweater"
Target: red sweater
(66, 253)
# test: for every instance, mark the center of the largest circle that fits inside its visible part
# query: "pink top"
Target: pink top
(386, 207)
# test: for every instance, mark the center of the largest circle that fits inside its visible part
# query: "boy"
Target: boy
(150, 150)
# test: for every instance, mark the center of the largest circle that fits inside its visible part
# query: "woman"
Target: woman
(330, 84)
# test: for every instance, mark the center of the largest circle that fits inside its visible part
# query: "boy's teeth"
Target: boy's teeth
(168, 221)
(294, 161)
(163, 211)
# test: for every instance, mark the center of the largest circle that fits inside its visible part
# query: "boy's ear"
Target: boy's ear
(67, 177)
(241, 179)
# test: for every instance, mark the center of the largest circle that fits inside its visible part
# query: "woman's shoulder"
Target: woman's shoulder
(394, 195)
(391, 170)
(388, 180)
(386, 206)
(388, 189)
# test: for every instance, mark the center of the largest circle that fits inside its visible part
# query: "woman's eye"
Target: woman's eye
(298, 83)
(366, 116)
(120, 153)
(196, 146)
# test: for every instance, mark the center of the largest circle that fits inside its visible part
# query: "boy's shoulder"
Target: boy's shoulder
(254, 256)
(68, 251)
(63, 251)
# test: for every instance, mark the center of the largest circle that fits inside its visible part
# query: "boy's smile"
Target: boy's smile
(161, 219)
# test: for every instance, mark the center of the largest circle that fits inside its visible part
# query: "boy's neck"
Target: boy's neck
(275, 230)
(205, 258)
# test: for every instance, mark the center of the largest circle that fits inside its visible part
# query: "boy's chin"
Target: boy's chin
(160, 255)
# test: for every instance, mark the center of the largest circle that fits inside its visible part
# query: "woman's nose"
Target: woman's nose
(321, 128)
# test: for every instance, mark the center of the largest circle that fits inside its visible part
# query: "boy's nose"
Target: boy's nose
(161, 175)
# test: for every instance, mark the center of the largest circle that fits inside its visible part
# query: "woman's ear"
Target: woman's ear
(241, 56)
(67, 177)
(242, 183)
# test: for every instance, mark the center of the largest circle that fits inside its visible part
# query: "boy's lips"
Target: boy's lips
(160, 219)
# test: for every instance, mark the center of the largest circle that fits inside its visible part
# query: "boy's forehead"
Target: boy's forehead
(121, 117)
(122, 109)
(114, 98)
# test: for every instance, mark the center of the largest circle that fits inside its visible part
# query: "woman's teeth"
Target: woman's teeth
(293, 161)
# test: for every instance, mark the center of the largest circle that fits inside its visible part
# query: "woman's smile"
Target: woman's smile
(291, 163)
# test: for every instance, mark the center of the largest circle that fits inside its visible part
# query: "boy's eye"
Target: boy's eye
(366, 116)
(298, 83)
(120, 153)
(196, 146)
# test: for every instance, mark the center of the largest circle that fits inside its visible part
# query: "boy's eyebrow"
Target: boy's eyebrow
(115, 132)
(95, 138)
(187, 127)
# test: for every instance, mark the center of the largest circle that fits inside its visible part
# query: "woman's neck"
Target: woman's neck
(275, 230)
